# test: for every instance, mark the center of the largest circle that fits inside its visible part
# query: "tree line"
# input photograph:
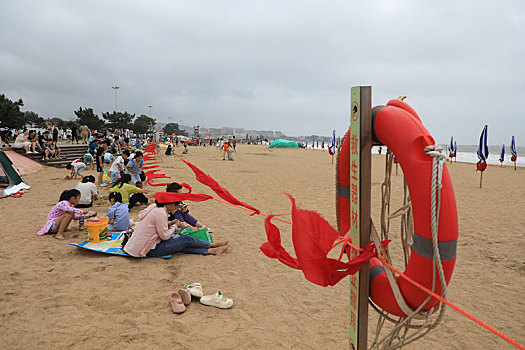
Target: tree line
(12, 117)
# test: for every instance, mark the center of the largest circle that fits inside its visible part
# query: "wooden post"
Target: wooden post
(360, 195)
(481, 179)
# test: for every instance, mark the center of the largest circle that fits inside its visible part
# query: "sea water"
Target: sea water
(468, 154)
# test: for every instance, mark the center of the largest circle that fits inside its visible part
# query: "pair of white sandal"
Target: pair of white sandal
(217, 299)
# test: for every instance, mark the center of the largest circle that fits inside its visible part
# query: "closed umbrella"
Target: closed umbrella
(451, 149)
(502, 155)
(455, 152)
(331, 147)
(513, 152)
(483, 154)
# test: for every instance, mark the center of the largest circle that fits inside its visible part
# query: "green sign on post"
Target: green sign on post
(360, 182)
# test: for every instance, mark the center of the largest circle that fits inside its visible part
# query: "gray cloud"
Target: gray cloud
(270, 64)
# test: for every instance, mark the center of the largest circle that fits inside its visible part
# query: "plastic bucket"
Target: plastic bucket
(97, 229)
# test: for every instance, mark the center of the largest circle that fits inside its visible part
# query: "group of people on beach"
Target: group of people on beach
(160, 223)
(36, 142)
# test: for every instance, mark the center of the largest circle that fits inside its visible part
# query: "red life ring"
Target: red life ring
(398, 126)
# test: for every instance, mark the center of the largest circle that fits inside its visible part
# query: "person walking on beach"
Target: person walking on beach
(99, 160)
(84, 132)
(74, 134)
(226, 150)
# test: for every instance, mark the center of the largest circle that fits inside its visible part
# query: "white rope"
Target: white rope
(397, 339)
(439, 158)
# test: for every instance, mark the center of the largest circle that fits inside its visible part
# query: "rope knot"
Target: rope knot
(437, 151)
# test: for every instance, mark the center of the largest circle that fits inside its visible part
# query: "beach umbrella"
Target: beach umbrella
(513, 152)
(455, 151)
(317, 143)
(451, 149)
(483, 154)
(322, 144)
(502, 156)
(331, 148)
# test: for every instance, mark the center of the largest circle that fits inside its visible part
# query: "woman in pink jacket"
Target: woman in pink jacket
(153, 235)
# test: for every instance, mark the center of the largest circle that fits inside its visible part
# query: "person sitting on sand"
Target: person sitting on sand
(153, 235)
(118, 213)
(62, 213)
(88, 191)
(125, 188)
(168, 150)
(76, 167)
(182, 213)
(137, 198)
(108, 158)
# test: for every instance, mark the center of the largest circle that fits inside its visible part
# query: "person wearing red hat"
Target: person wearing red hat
(154, 236)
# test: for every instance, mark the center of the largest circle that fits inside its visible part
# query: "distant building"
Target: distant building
(239, 131)
(227, 130)
(215, 131)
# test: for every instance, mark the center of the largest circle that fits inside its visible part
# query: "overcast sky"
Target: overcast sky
(272, 65)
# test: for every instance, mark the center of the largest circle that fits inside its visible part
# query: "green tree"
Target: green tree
(173, 128)
(143, 124)
(34, 119)
(61, 123)
(119, 120)
(86, 116)
(10, 113)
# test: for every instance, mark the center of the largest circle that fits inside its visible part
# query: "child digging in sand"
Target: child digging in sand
(62, 213)
(76, 167)
(118, 213)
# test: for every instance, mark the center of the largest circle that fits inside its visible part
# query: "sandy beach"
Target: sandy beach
(56, 296)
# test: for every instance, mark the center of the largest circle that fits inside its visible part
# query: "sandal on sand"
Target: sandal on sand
(185, 296)
(195, 289)
(176, 303)
(217, 300)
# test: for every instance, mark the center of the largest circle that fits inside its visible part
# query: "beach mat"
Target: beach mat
(111, 247)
